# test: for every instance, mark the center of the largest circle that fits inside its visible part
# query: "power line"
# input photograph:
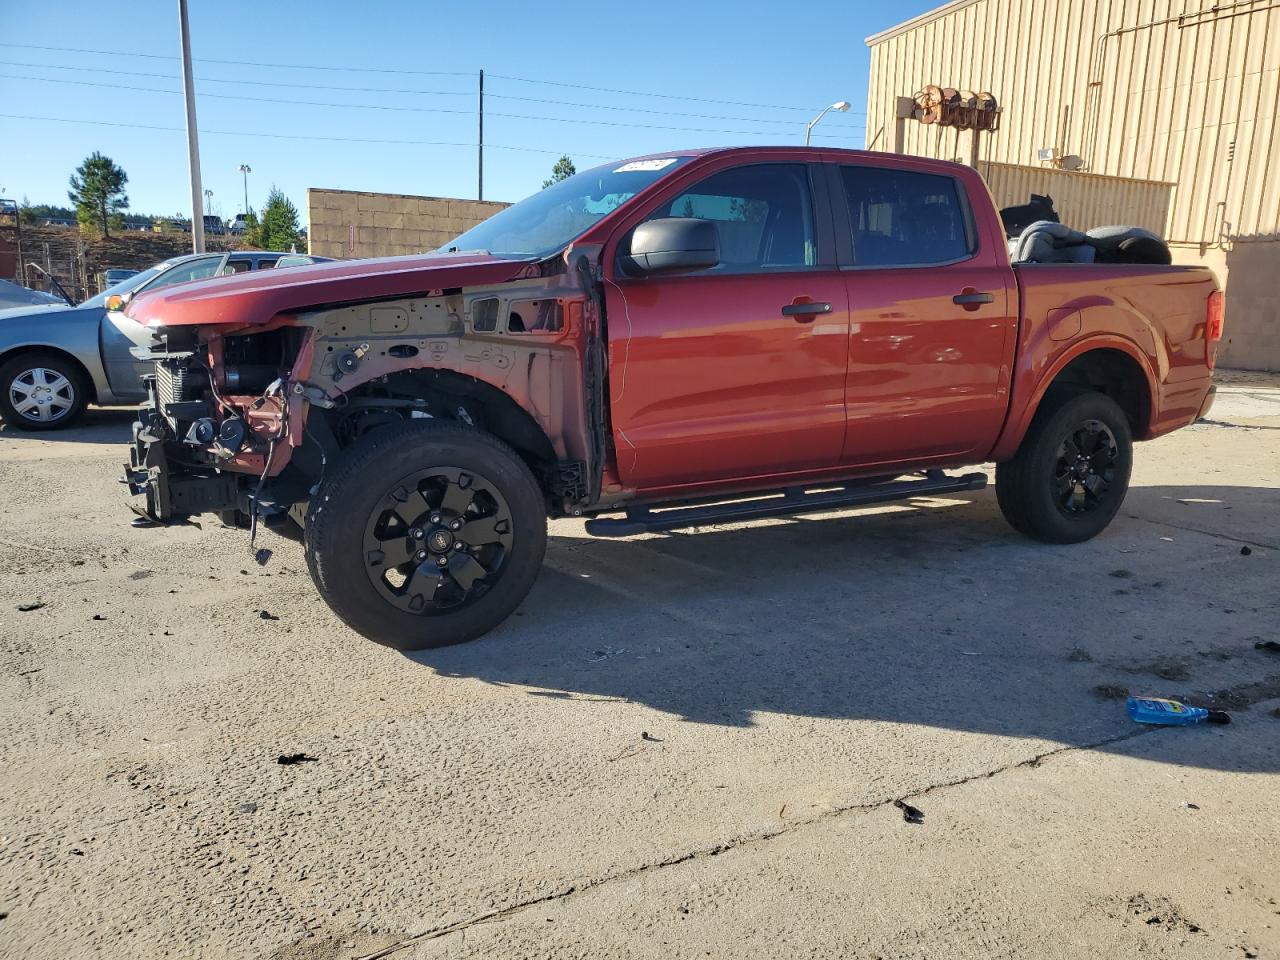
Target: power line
(445, 110)
(244, 63)
(416, 92)
(432, 73)
(290, 136)
(650, 93)
(254, 83)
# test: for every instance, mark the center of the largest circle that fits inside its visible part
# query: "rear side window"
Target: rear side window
(763, 214)
(903, 218)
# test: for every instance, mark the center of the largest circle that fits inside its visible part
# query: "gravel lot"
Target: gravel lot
(683, 745)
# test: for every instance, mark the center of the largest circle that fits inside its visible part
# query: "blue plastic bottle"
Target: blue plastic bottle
(1171, 712)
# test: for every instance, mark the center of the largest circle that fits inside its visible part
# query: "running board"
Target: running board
(781, 503)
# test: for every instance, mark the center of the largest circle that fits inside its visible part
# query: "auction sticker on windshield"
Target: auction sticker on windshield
(635, 166)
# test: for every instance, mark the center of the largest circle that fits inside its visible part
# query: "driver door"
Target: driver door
(735, 371)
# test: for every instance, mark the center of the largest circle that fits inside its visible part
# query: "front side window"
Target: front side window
(763, 214)
(903, 218)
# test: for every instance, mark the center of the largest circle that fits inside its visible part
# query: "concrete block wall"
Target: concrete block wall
(354, 224)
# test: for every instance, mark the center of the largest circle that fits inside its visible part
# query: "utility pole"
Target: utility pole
(246, 170)
(193, 140)
(480, 155)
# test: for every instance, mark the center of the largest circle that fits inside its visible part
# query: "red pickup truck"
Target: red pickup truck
(672, 341)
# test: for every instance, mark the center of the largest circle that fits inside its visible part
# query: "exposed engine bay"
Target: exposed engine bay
(243, 422)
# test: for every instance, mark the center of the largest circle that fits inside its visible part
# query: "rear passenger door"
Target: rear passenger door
(933, 317)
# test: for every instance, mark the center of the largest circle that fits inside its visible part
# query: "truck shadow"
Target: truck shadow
(929, 613)
(104, 425)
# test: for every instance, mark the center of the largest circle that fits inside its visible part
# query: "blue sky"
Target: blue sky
(597, 81)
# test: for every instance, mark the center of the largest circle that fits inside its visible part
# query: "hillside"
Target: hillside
(78, 261)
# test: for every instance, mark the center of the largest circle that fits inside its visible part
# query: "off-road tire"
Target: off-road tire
(1025, 485)
(339, 512)
(12, 368)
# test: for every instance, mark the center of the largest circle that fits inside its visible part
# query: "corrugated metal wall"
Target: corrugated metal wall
(1083, 200)
(1163, 90)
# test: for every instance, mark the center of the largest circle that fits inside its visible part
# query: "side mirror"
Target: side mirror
(116, 302)
(673, 243)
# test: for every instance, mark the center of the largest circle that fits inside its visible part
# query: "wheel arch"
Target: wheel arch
(486, 405)
(1110, 365)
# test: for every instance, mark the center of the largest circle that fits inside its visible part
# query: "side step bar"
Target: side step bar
(790, 500)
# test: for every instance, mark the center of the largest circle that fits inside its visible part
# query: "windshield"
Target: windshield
(124, 286)
(540, 225)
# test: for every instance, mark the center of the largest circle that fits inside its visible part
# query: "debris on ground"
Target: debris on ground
(1121, 574)
(1245, 551)
(267, 615)
(289, 759)
(1161, 912)
(605, 653)
(909, 813)
(28, 607)
(249, 807)
(1270, 646)
(261, 556)
(645, 735)
(1192, 806)
(1108, 692)
(97, 616)
(1171, 713)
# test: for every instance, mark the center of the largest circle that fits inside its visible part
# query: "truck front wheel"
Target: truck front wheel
(426, 535)
(1069, 477)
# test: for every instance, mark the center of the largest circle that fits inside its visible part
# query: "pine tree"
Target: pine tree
(279, 228)
(563, 170)
(97, 190)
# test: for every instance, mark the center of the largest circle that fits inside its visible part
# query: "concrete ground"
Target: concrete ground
(682, 745)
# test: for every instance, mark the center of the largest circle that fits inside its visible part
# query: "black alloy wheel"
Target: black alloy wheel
(1085, 474)
(438, 539)
(426, 534)
(1070, 475)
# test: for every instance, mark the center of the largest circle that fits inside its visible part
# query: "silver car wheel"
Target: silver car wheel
(42, 395)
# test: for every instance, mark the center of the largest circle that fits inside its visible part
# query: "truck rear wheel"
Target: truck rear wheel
(1070, 476)
(426, 535)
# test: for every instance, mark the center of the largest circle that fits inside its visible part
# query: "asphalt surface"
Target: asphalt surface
(682, 745)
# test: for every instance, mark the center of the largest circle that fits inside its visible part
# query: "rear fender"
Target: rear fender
(1031, 386)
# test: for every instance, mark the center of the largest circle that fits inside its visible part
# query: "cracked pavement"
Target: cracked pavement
(683, 745)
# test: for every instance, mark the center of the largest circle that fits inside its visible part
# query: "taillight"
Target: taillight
(1214, 318)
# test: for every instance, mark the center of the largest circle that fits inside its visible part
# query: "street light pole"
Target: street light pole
(193, 140)
(208, 202)
(246, 170)
(480, 154)
(841, 105)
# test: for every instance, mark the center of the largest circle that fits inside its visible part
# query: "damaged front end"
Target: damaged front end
(222, 425)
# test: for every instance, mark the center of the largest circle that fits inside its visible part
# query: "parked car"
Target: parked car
(238, 224)
(112, 277)
(667, 342)
(55, 359)
(214, 226)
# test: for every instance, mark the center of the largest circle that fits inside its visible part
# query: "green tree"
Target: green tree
(279, 228)
(97, 190)
(252, 235)
(563, 170)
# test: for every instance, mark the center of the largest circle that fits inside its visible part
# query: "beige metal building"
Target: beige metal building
(1170, 106)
